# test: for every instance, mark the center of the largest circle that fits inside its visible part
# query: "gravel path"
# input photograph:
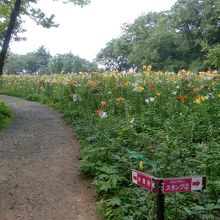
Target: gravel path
(39, 177)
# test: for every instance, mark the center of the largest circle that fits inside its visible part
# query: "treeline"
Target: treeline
(186, 37)
(41, 62)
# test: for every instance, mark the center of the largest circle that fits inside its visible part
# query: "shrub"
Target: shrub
(5, 116)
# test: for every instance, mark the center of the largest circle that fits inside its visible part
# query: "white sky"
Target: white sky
(84, 31)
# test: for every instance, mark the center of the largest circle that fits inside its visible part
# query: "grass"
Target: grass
(172, 120)
(5, 116)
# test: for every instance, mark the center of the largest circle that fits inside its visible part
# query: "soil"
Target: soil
(39, 175)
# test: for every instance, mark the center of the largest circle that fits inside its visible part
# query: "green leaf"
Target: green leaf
(199, 208)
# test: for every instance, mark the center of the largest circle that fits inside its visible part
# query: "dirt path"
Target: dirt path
(39, 177)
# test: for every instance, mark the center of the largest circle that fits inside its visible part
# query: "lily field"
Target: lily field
(165, 124)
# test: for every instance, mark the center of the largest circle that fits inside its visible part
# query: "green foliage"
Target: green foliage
(40, 62)
(5, 116)
(4, 12)
(171, 40)
(108, 180)
(114, 55)
(214, 56)
(36, 62)
(69, 63)
(129, 204)
(27, 8)
(170, 119)
(11, 12)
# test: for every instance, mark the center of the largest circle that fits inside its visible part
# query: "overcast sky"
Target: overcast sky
(84, 31)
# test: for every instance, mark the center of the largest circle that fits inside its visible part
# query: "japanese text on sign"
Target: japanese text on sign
(168, 185)
(177, 185)
(143, 180)
(183, 184)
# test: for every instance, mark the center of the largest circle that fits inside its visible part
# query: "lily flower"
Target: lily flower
(75, 97)
(199, 99)
(181, 98)
(103, 103)
(120, 99)
(149, 100)
(138, 89)
(101, 113)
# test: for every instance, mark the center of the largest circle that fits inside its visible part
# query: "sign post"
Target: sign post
(167, 185)
(160, 206)
(160, 200)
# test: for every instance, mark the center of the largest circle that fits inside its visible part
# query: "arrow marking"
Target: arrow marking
(197, 183)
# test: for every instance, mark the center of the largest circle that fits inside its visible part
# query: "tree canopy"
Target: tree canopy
(41, 62)
(28, 8)
(11, 20)
(185, 37)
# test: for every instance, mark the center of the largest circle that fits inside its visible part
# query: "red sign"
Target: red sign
(183, 184)
(143, 180)
(169, 185)
(177, 185)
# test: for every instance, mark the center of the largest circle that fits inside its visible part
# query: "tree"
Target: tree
(69, 63)
(186, 37)
(36, 62)
(14, 64)
(19, 8)
(154, 42)
(10, 29)
(214, 56)
(114, 55)
(198, 23)
(41, 62)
